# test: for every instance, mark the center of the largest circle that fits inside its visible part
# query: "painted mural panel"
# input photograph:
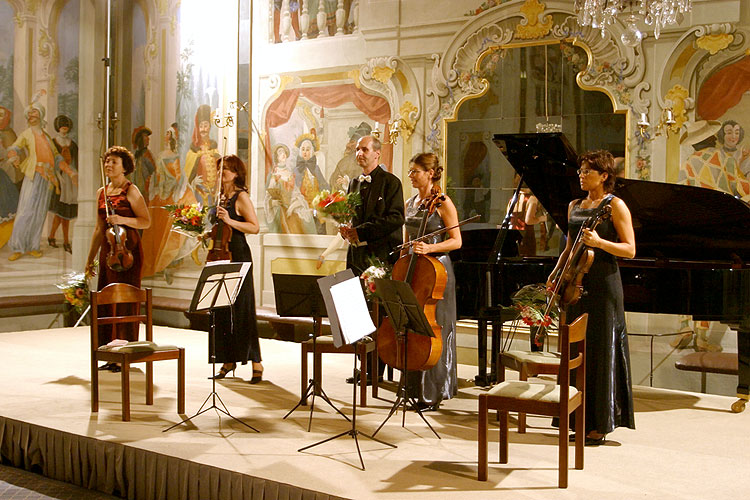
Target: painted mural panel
(10, 179)
(716, 146)
(39, 175)
(312, 135)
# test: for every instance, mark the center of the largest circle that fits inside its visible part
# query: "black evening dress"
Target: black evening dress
(236, 334)
(609, 393)
(441, 381)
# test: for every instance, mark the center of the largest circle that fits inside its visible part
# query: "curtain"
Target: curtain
(724, 89)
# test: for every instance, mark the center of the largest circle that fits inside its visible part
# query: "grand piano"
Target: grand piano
(692, 244)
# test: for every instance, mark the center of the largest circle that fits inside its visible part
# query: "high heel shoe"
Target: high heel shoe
(68, 248)
(257, 376)
(51, 242)
(224, 370)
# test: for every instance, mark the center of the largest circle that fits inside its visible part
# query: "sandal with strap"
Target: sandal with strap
(224, 371)
(257, 376)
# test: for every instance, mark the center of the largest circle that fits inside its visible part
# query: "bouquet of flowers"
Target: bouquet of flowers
(189, 220)
(75, 288)
(376, 270)
(337, 205)
(531, 302)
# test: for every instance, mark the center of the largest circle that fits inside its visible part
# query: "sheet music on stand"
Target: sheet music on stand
(210, 293)
(347, 308)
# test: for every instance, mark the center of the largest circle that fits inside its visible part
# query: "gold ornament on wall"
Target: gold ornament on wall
(714, 43)
(382, 73)
(531, 27)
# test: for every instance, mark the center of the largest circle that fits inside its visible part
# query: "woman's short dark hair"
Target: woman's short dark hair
(128, 162)
(602, 161)
(234, 164)
(429, 161)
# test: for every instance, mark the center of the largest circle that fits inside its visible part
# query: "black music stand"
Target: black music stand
(299, 295)
(218, 286)
(405, 312)
(350, 325)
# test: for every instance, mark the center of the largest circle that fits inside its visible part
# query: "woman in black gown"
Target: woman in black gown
(440, 382)
(236, 333)
(609, 395)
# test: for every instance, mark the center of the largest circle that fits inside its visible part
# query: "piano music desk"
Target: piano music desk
(651, 337)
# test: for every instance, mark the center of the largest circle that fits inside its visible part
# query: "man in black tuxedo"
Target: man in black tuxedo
(377, 225)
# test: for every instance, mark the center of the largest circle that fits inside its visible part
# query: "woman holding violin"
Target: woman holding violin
(440, 382)
(609, 395)
(121, 212)
(236, 333)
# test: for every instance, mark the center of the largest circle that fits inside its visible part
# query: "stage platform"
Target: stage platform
(687, 446)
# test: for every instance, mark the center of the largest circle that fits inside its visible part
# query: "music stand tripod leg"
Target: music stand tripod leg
(314, 387)
(402, 399)
(353, 432)
(213, 395)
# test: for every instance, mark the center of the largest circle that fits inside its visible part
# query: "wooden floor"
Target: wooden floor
(687, 445)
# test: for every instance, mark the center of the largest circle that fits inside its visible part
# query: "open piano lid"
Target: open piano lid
(671, 221)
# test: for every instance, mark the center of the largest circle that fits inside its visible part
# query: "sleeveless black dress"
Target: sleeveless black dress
(609, 392)
(236, 336)
(441, 381)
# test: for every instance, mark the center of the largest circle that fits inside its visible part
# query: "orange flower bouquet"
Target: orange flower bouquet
(75, 289)
(189, 220)
(337, 205)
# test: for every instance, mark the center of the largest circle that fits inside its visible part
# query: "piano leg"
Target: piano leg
(497, 331)
(743, 365)
(481, 378)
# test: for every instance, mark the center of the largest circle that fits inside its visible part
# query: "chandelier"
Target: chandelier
(659, 13)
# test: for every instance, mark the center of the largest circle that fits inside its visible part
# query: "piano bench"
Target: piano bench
(708, 362)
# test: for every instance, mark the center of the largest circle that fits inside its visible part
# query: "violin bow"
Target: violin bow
(434, 233)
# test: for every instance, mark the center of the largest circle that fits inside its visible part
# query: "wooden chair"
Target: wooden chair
(133, 352)
(323, 345)
(554, 400)
(527, 364)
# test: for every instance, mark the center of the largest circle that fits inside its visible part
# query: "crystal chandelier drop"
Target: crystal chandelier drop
(659, 13)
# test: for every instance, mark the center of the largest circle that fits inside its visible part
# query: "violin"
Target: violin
(568, 284)
(119, 258)
(221, 234)
(428, 278)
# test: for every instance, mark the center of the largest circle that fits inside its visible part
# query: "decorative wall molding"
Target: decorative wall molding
(392, 78)
(612, 67)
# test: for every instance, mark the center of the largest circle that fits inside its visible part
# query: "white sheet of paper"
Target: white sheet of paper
(351, 308)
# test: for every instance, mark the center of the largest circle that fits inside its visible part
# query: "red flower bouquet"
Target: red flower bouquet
(337, 205)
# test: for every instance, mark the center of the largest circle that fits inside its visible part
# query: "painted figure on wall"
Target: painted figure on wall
(168, 186)
(64, 203)
(200, 160)
(308, 177)
(347, 167)
(8, 175)
(35, 154)
(724, 166)
(145, 166)
(287, 211)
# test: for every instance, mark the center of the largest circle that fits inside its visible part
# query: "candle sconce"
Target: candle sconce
(112, 120)
(399, 128)
(667, 123)
(227, 120)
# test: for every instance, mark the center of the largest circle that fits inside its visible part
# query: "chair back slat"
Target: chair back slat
(120, 293)
(109, 320)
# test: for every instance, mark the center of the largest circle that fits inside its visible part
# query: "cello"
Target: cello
(428, 278)
(119, 258)
(218, 244)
